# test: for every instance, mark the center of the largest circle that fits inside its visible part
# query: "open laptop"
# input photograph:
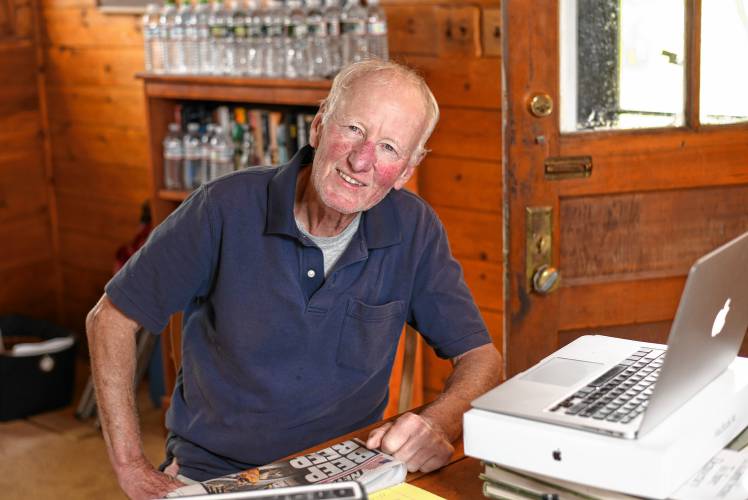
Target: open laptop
(625, 388)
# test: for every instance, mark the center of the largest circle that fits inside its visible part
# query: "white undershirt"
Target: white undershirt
(332, 246)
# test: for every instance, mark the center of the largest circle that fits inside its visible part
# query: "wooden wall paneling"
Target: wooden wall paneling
(22, 18)
(92, 252)
(101, 105)
(115, 220)
(84, 177)
(485, 282)
(447, 181)
(461, 82)
(87, 26)
(17, 64)
(473, 235)
(28, 239)
(467, 133)
(22, 185)
(411, 30)
(74, 142)
(29, 289)
(70, 66)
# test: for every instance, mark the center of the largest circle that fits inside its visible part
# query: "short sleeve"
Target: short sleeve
(173, 268)
(442, 307)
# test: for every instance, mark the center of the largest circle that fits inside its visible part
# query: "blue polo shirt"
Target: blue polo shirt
(276, 358)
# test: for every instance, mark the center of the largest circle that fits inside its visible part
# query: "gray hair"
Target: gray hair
(384, 71)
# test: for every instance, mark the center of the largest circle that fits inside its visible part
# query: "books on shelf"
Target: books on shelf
(344, 461)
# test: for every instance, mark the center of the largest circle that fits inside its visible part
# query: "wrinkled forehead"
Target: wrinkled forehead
(374, 91)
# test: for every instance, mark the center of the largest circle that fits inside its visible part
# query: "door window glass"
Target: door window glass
(724, 67)
(622, 64)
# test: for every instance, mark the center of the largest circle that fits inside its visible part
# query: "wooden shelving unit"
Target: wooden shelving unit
(162, 94)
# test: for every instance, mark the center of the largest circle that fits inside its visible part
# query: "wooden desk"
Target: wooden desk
(455, 481)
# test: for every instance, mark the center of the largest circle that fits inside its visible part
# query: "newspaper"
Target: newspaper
(345, 461)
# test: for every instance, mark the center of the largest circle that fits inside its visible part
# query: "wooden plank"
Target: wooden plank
(653, 233)
(473, 235)
(630, 161)
(76, 26)
(27, 239)
(23, 187)
(17, 293)
(466, 184)
(411, 29)
(115, 220)
(485, 282)
(108, 106)
(22, 18)
(109, 181)
(20, 145)
(461, 81)
(458, 30)
(92, 252)
(17, 65)
(620, 303)
(66, 66)
(52, 4)
(84, 285)
(126, 146)
(467, 133)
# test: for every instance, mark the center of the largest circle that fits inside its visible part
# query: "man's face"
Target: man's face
(365, 147)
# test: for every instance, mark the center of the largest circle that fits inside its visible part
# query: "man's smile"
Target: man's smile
(350, 180)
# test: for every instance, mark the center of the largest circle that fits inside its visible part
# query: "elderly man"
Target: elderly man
(295, 283)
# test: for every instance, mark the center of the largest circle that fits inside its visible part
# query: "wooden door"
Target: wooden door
(623, 238)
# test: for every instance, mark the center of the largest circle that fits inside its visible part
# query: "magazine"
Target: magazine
(347, 461)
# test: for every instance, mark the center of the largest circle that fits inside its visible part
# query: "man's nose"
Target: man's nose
(363, 157)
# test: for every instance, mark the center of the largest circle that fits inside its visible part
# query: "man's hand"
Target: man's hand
(141, 482)
(414, 440)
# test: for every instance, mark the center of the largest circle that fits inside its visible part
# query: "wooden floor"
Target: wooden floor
(55, 456)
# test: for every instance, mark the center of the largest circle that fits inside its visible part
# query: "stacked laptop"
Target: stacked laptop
(603, 410)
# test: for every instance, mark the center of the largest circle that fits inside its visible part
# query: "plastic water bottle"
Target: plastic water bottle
(173, 158)
(317, 33)
(255, 54)
(205, 150)
(235, 38)
(298, 60)
(191, 40)
(331, 14)
(194, 170)
(217, 25)
(376, 30)
(353, 31)
(221, 154)
(151, 41)
(272, 23)
(165, 21)
(202, 11)
(247, 147)
(176, 39)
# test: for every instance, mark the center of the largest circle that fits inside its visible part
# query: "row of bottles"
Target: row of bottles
(232, 140)
(262, 38)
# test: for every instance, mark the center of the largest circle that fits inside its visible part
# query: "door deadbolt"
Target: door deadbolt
(541, 276)
(545, 279)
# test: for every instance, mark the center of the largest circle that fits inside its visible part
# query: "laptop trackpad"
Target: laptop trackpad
(561, 371)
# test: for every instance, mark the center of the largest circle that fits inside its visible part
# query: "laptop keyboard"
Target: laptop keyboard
(621, 393)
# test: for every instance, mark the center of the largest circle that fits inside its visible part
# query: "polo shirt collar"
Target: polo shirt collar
(380, 225)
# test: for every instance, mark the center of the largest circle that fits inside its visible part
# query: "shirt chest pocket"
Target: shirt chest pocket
(369, 334)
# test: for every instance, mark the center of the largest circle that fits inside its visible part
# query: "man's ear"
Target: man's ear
(315, 129)
(405, 176)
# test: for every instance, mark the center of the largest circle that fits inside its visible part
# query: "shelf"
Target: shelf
(237, 89)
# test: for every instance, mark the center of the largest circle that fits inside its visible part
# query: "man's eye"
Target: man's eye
(354, 129)
(389, 148)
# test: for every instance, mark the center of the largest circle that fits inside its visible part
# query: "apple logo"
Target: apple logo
(557, 455)
(719, 321)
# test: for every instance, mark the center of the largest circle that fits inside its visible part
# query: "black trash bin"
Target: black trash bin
(37, 367)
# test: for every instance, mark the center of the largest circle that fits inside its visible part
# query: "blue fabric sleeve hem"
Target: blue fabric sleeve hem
(463, 345)
(130, 309)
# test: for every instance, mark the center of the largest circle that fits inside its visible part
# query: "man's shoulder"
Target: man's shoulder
(239, 185)
(412, 207)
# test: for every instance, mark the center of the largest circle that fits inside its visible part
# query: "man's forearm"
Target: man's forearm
(474, 373)
(111, 337)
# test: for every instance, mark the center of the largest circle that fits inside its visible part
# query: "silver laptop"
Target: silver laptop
(625, 388)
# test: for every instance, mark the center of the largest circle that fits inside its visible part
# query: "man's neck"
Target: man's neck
(317, 218)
